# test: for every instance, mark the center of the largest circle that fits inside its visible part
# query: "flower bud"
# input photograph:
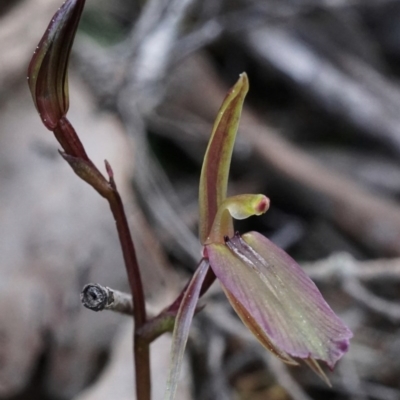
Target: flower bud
(47, 72)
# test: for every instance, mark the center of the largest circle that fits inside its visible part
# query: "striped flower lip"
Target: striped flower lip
(277, 301)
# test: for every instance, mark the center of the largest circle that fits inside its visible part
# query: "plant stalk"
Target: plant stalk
(69, 140)
(141, 347)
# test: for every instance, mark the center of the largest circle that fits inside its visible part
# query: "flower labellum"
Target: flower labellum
(277, 301)
(270, 292)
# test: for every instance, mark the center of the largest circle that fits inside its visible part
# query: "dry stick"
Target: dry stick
(339, 264)
(141, 89)
(349, 272)
(97, 298)
(367, 99)
(381, 306)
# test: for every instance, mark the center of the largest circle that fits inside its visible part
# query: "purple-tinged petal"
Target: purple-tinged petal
(182, 326)
(217, 160)
(272, 291)
(47, 72)
(256, 329)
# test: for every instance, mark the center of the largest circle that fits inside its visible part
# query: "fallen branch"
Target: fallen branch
(97, 298)
(340, 264)
(388, 309)
(349, 272)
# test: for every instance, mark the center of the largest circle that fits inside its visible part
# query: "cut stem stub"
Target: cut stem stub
(97, 298)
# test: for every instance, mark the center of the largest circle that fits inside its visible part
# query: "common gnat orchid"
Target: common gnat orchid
(269, 291)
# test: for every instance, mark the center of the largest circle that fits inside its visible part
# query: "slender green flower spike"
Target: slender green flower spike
(269, 291)
(47, 73)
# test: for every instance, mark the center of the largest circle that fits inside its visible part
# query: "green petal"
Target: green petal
(215, 170)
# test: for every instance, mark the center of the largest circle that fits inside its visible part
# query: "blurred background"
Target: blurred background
(320, 136)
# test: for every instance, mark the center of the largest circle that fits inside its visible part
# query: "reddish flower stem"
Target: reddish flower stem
(173, 308)
(69, 140)
(141, 347)
(71, 144)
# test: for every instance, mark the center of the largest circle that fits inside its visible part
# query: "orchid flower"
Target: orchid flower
(269, 291)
